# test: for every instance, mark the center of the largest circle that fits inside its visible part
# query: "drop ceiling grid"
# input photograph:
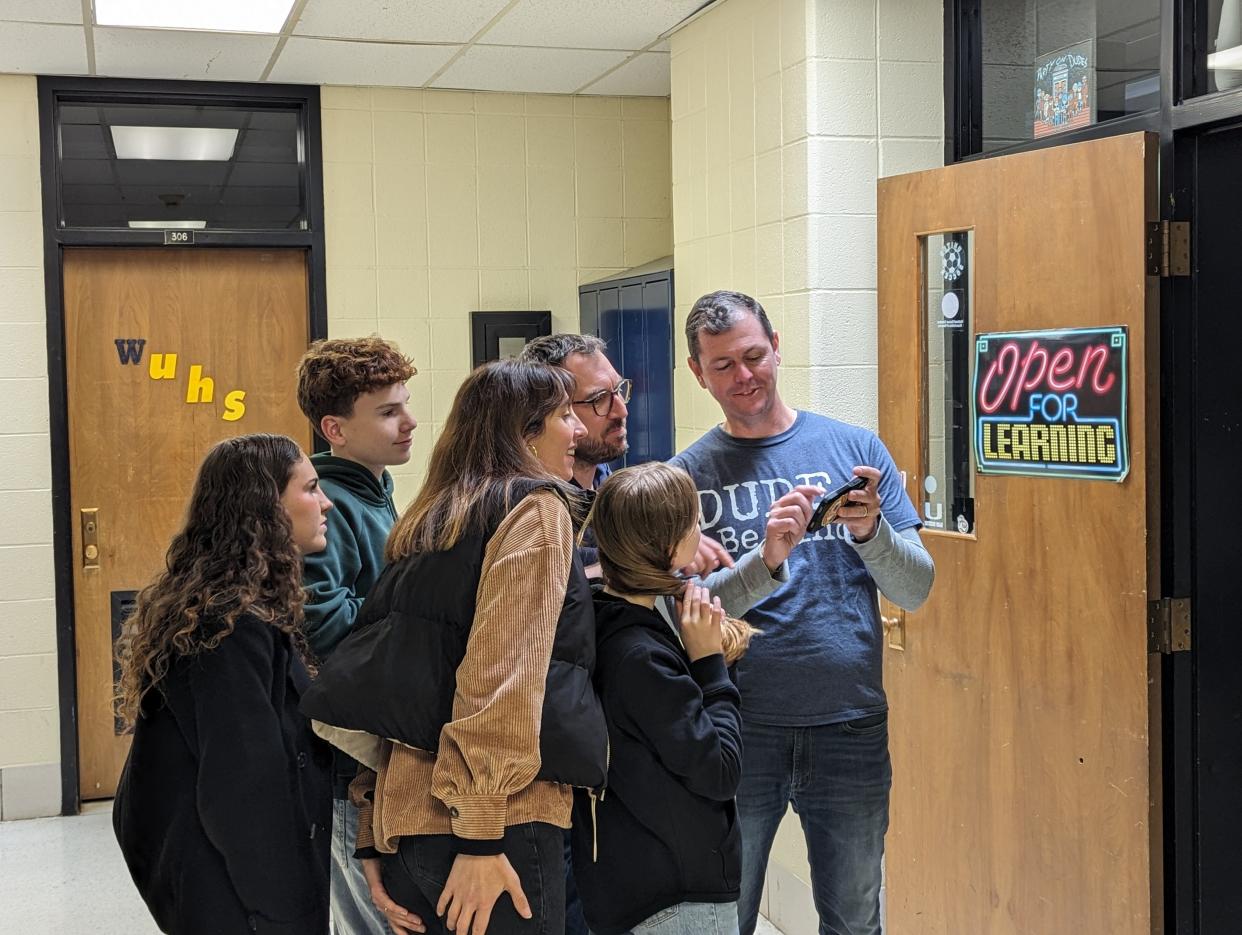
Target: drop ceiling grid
(612, 47)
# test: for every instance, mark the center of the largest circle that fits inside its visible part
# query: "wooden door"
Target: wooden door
(141, 419)
(1024, 744)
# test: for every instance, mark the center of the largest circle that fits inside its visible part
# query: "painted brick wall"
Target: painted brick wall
(439, 203)
(29, 728)
(784, 115)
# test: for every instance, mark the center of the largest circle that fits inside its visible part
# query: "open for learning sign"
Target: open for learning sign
(1052, 403)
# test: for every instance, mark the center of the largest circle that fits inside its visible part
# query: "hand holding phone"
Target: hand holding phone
(827, 508)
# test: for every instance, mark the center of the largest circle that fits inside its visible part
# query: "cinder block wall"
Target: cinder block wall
(29, 715)
(439, 203)
(785, 113)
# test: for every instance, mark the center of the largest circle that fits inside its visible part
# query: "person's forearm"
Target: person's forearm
(901, 567)
(745, 584)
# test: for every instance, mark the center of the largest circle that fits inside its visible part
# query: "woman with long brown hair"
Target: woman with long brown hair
(472, 655)
(224, 807)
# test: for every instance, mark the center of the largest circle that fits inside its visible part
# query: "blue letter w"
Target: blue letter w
(130, 349)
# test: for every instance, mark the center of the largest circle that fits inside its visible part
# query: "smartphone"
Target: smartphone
(826, 509)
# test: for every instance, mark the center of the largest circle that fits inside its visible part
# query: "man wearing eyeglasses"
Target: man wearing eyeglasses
(601, 405)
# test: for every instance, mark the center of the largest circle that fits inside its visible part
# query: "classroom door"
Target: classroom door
(1025, 705)
(167, 352)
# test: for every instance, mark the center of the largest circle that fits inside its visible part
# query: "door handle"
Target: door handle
(90, 537)
(895, 629)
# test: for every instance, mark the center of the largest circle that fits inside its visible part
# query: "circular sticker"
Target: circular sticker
(962, 526)
(952, 261)
(930, 484)
(949, 305)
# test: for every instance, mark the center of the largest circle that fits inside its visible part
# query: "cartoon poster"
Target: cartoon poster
(1065, 90)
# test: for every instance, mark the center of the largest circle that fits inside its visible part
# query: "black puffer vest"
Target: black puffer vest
(395, 675)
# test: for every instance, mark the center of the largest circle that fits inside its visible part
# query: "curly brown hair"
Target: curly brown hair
(639, 517)
(334, 372)
(235, 555)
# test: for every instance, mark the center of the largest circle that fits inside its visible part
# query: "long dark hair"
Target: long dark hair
(482, 455)
(234, 555)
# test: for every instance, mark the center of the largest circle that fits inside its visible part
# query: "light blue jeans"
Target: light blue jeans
(691, 919)
(837, 777)
(353, 913)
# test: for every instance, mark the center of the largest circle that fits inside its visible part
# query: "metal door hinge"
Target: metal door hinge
(1168, 248)
(1168, 625)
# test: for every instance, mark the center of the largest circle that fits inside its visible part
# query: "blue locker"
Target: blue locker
(633, 313)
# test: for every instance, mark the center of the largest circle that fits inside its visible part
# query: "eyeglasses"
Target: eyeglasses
(601, 402)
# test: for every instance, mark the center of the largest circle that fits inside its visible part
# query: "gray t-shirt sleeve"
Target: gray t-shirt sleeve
(745, 584)
(898, 562)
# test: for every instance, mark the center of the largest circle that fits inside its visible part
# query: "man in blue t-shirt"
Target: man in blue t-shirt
(815, 718)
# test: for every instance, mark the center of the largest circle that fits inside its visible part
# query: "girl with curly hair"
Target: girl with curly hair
(224, 807)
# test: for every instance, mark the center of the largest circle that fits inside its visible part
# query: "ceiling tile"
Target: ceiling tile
(397, 20)
(589, 24)
(325, 61)
(513, 68)
(645, 75)
(180, 53)
(42, 11)
(46, 50)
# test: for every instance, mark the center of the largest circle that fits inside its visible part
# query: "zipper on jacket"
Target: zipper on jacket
(597, 796)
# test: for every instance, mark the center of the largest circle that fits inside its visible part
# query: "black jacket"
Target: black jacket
(224, 808)
(665, 831)
(395, 674)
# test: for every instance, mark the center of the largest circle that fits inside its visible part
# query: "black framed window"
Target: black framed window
(1055, 66)
(1216, 51)
(180, 164)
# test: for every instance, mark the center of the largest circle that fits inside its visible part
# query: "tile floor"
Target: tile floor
(67, 875)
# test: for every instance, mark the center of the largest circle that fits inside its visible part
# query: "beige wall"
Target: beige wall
(785, 113)
(29, 727)
(439, 203)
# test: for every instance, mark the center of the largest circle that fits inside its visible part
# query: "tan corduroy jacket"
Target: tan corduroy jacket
(483, 779)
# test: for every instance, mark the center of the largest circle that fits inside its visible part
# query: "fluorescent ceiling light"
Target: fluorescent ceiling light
(169, 225)
(219, 15)
(209, 144)
(1226, 59)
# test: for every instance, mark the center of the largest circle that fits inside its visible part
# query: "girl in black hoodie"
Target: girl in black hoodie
(659, 851)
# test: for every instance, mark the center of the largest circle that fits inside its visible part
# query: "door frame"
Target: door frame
(1184, 111)
(55, 239)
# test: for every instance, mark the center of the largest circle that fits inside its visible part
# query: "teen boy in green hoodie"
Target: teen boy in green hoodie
(353, 391)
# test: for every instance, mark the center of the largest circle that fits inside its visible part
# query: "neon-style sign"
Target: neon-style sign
(1052, 403)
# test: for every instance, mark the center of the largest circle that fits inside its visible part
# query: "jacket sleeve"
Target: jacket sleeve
(745, 584)
(490, 749)
(245, 794)
(330, 578)
(692, 720)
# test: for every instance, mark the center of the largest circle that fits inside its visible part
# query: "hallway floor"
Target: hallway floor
(67, 875)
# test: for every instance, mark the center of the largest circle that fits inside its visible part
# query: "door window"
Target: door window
(948, 486)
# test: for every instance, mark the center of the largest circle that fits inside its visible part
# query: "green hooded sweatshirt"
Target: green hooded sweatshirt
(339, 577)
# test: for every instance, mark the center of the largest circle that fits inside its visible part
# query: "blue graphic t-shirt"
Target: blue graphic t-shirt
(819, 658)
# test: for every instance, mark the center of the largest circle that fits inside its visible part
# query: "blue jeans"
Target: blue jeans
(837, 777)
(353, 913)
(691, 919)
